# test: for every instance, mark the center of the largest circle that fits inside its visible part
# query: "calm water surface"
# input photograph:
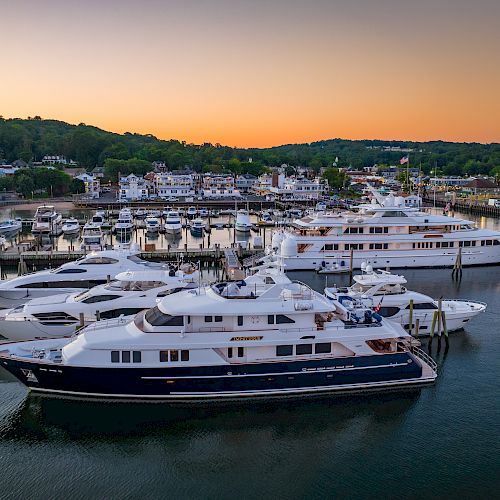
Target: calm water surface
(442, 441)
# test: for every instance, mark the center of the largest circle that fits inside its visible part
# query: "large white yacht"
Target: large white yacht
(124, 224)
(47, 221)
(173, 224)
(386, 294)
(93, 237)
(384, 233)
(60, 315)
(262, 337)
(84, 273)
(242, 222)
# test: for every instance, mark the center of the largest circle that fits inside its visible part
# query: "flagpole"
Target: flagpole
(408, 173)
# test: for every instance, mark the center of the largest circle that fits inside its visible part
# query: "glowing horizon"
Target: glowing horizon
(257, 74)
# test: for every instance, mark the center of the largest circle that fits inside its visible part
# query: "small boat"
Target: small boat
(191, 212)
(204, 213)
(93, 237)
(99, 218)
(337, 267)
(10, 226)
(71, 226)
(320, 206)
(197, 227)
(140, 213)
(243, 224)
(154, 213)
(152, 224)
(266, 218)
(173, 223)
(47, 221)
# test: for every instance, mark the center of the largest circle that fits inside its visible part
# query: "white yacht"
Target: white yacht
(384, 233)
(140, 213)
(173, 223)
(61, 315)
(47, 221)
(197, 227)
(93, 237)
(386, 294)
(204, 213)
(10, 226)
(124, 224)
(262, 337)
(71, 226)
(154, 213)
(191, 212)
(99, 218)
(86, 272)
(152, 224)
(242, 223)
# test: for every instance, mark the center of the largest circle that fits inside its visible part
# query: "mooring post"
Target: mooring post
(410, 323)
(440, 317)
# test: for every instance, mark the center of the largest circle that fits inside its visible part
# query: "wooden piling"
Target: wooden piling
(410, 323)
(417, 327)
(433, 324)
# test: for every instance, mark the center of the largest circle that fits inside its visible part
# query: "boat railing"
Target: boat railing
(425, 358)
(468, 301)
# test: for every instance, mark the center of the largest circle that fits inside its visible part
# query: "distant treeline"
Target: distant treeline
(33, 138)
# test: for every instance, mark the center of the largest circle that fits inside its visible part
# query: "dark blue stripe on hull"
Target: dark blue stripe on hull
(218, 379)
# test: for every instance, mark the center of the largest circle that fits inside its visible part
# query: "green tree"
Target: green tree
(335, 177)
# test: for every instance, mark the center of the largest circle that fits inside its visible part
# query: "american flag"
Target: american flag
(403, 160)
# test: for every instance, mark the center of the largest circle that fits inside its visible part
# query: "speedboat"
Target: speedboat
(242, 223)
(191, 212)
(71, 226)
(386, 294)
(266, 217)
(99, 218)
(124, 224)
(197, 227)
(93, 238)
(47, 221)
(10, 226)
(261, 337)
(152, 224)
(173, 223)
(86, 272)
(61, 315)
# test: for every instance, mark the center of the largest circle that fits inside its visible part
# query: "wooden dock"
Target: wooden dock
(232, 265)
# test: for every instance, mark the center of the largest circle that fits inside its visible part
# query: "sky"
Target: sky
(257, 73)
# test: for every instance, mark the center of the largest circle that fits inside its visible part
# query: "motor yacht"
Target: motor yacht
(384, 233)
(61, 315)
(191, 212)
(154, 213)
(86, 272)
(152, 224)
(10, 226)
(242, 223)
(71, 226)
(93, 237)
(204, 213)
(261, 337)
(47, 222)
(124, 224)
(99, 218)
(386, 294)
(140, 213)
(173, 223)
(197, 227)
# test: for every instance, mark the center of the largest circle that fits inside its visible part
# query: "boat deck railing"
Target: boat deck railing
(425, 358)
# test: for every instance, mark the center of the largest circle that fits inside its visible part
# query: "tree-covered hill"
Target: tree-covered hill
(90, 146)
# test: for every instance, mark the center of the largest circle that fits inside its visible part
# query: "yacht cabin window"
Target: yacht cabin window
(284, 350)
(174, 356)
(379, 230)
(330, 246)
(157, 318)
(98, 260)
(303, 349)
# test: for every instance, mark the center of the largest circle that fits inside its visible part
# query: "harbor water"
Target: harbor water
(438, 442)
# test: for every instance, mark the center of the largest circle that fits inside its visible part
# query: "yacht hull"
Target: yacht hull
(491, 255)
(224, 381)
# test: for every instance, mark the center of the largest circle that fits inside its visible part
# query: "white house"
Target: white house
(298, 188)
(8, 170)
(246, 183)
(133, 188)
(218, 186)
(57, 160)
(167, 184)
(92, 185)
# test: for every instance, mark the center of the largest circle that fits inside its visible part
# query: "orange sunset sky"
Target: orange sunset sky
(257, 73)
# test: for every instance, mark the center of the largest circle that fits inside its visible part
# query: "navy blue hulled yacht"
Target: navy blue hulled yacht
(261, 337)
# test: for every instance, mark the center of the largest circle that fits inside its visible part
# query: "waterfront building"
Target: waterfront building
(167, 184)
(263, 185)
(298, 188)
(92, 185)
(8, 170)
(57, 160)
(449, 181)
(218, 186)
(246, 183)
(133, 188)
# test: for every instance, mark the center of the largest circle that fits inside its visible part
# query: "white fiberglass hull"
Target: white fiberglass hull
(395, 259)
(16, 296)
(173, 228)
